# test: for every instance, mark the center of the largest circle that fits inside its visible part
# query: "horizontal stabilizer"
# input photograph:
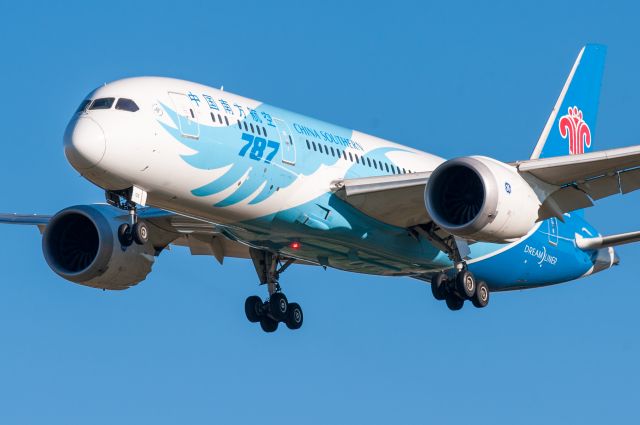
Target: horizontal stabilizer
(607, 241)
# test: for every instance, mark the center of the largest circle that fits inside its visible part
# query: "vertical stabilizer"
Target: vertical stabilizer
(572, 123)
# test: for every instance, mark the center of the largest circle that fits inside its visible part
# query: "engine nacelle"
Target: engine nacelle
(81, 245)
(479, 198)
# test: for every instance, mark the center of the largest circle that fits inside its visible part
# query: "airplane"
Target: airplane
(189, 165)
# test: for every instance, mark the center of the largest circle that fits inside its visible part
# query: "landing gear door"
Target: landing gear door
(187, 115)
(553, 231)
(287, 146)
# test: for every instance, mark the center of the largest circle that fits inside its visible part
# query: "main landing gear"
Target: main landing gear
(276, 309)
(135, 230)
(463, 287)
(454, 291)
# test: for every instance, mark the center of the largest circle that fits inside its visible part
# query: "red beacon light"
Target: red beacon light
(294, 245)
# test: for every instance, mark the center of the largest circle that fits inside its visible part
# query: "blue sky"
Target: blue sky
(453, 78)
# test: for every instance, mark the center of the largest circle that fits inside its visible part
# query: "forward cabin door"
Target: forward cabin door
(187, 115)
(286, 142)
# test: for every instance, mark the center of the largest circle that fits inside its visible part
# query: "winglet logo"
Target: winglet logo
(572, 126)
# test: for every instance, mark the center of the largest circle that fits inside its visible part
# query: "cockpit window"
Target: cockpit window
(126, 105)
(83, 105)
(103, 103)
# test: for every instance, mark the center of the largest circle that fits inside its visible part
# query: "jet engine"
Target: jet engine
(81, 245)
(479, 198)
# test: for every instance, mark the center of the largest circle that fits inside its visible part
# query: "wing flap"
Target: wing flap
(397, 200)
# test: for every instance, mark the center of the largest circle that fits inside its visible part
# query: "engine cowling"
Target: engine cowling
(479, 198)
(81, 245)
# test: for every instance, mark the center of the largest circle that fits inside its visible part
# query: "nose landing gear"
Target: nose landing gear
(276, 309)
(128, 200)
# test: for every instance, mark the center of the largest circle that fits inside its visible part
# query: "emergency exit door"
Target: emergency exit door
(187, 115)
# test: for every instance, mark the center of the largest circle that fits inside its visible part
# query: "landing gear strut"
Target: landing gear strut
(276, 309)
(129, 199)
(463, 286)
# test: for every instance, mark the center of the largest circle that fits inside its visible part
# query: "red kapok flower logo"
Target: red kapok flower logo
(572, 126)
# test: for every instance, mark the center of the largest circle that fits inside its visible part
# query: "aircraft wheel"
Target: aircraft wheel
(140, 233)
(438, 286)
(466, 284)
(124, 234)
(278, 306)
(481, 297)
(294, 316)
(268, 324)
(454, 302)
(253, 308)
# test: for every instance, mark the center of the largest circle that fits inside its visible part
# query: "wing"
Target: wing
(26, 219)
(202, 238)
(575, 181)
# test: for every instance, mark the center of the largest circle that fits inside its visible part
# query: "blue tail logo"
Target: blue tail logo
(571, 125)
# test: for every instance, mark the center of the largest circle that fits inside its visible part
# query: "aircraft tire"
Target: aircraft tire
(481, 297)
(124, 234)
(253, 308)
(454, 302)
(466, 284)
(438, 286)
(294, 316)
(278, 306)
(268, 324)
(140, 233)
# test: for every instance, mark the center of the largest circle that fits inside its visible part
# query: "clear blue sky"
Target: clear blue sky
(448, 77)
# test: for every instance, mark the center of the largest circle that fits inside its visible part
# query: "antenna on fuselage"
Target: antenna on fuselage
(221, 88)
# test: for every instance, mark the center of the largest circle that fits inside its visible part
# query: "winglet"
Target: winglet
(572, 123)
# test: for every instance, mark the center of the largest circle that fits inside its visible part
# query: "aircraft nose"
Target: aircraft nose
(84, 143)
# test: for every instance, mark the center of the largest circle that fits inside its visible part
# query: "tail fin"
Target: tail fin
(572, 122)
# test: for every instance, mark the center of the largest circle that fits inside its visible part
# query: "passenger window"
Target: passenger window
(386, 166)
(251, 125)
(264, 131)
(344, 154)
(258, 129)
(333, 153)
(219, 118)
(369, 161)
(350, 157)
(83, 105)
(126, 105)
(314, 146)
(308, 145)
(213, 117)
(326, 149)
(226, 120)
(104, 103)
(245, 126)
(239, 125)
